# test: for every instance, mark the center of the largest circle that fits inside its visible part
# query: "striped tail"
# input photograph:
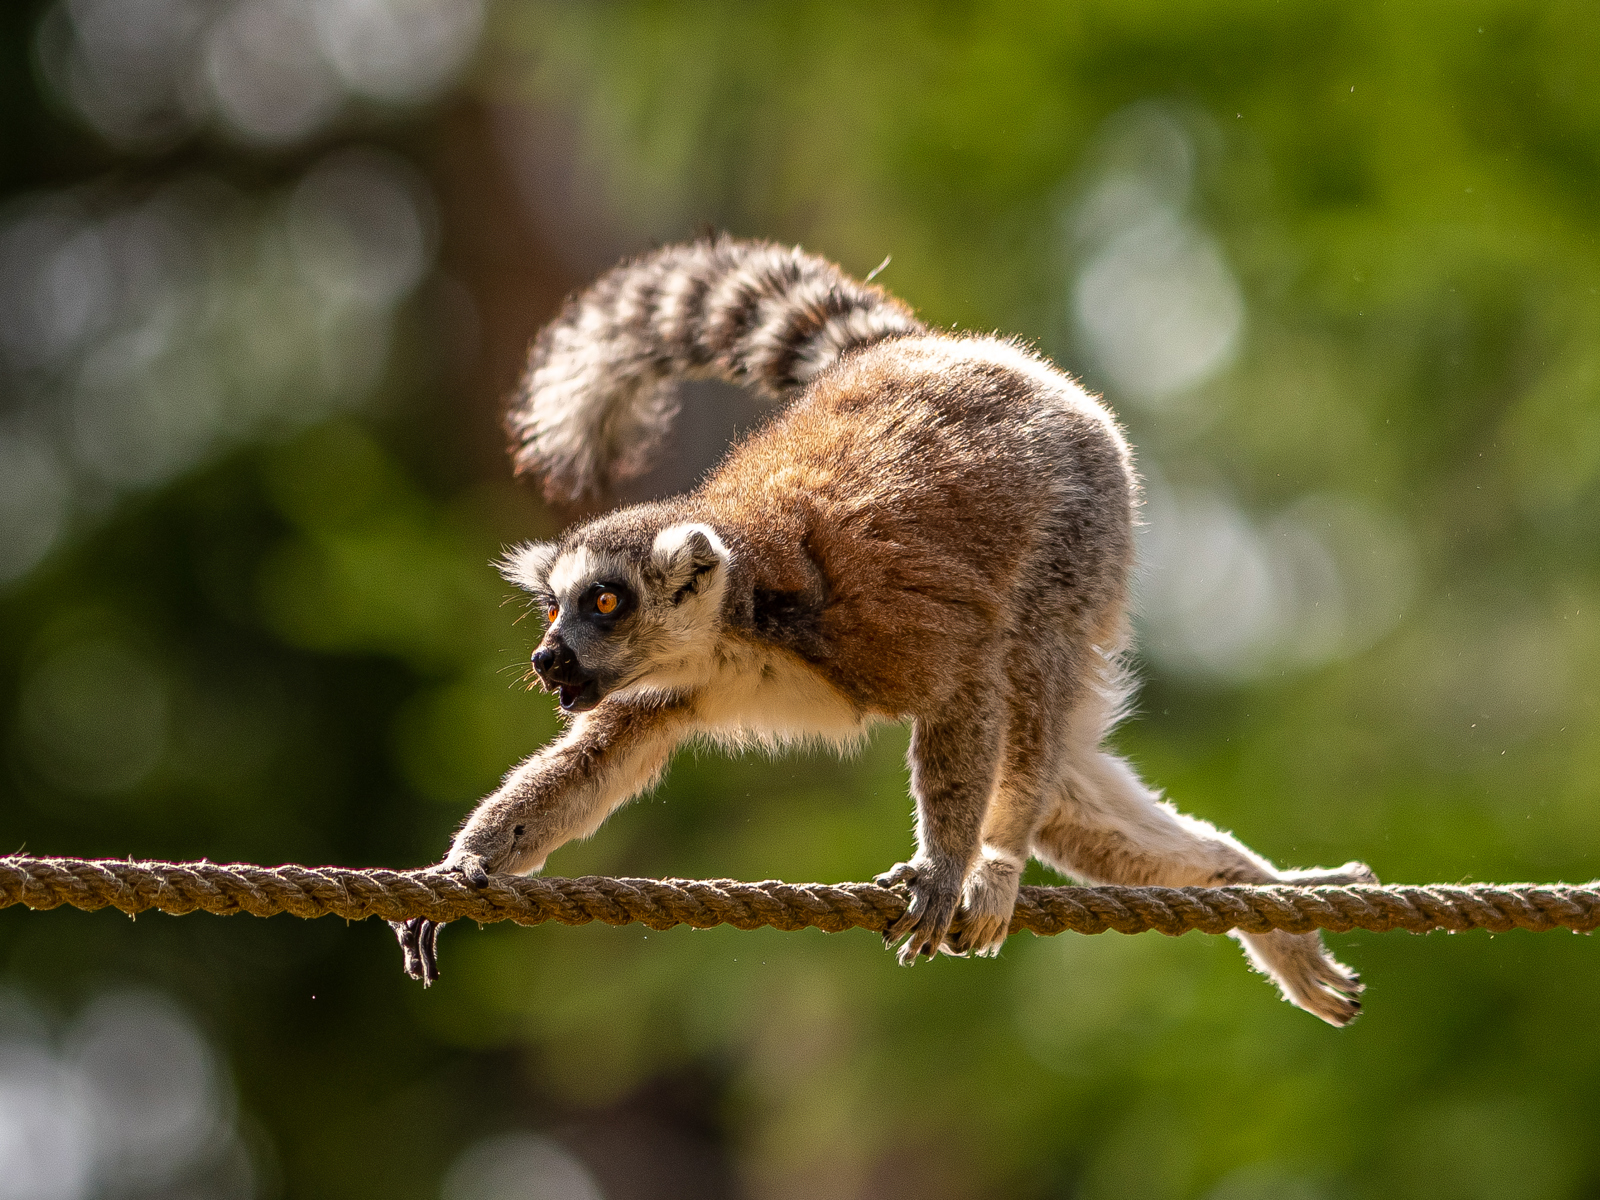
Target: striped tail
(595, 400)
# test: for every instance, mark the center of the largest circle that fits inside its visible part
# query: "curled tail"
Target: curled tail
(594, 401)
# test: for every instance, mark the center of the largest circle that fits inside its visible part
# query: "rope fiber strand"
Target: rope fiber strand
(177, 888)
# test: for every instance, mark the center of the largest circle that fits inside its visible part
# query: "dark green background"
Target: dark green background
(1407, 194)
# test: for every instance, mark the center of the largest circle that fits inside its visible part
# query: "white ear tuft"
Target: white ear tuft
(528, 565)
(690, 557)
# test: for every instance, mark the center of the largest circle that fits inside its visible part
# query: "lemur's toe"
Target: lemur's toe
(900, 873)
(981, 937)
(918, 945)
(1336, 1009)
(1352, 873)
(1358, 872)
(407, 940)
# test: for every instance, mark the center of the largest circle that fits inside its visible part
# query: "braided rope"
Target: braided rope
(177, 888)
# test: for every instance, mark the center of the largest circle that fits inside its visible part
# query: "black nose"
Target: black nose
(556, 663)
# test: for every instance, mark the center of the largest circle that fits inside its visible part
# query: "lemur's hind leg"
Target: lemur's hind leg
(1108, 827)
(953, 762)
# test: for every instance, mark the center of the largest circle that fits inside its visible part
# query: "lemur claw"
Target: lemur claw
(419, 937)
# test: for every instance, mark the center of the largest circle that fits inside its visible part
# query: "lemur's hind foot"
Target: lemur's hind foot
(987, 902)
(1309, 977)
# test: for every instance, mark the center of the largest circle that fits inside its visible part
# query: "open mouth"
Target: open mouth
(578, 697)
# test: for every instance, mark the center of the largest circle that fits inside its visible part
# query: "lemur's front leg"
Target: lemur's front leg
(565, 791)
(1038, 707)
(954, 759)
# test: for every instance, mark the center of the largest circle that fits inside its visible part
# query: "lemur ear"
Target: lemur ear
(528, 565)
(689, 557)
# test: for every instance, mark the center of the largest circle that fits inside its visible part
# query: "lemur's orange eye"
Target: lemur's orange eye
(551, 613)
(605, 602)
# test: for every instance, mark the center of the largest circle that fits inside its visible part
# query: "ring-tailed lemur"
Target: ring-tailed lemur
(936, 529)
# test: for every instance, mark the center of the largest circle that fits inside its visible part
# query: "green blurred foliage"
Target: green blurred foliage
(299, 652)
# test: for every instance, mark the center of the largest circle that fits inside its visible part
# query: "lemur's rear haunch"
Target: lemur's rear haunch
(936, 529)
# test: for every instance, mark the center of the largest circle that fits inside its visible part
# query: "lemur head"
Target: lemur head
(630, 601)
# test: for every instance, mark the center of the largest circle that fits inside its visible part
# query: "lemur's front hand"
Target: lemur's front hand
(419, 937)
(486, 845)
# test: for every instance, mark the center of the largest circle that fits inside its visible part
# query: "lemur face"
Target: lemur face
(619, 620)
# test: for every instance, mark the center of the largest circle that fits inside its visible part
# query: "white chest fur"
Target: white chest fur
(750, 696)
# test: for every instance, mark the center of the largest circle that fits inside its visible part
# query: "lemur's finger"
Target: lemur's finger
(406, 933)
(924, 925)
(918, 945)
(428, 951)
(904, 924)
(1345, 876)
(899, 873)
(472, 867)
